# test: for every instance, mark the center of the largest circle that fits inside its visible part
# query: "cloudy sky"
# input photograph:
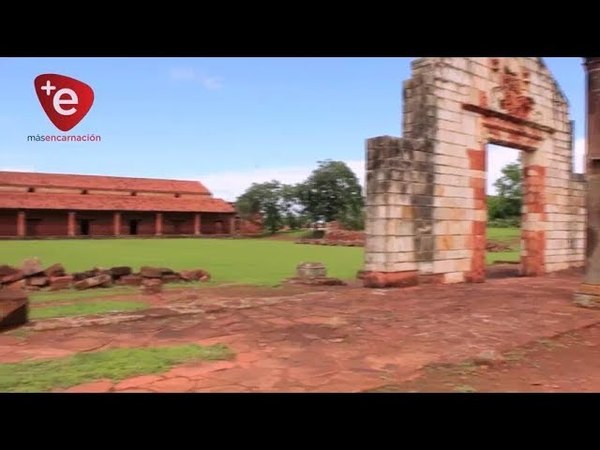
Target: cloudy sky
(227, 122)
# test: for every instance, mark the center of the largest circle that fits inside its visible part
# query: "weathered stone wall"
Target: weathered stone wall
(426, 209)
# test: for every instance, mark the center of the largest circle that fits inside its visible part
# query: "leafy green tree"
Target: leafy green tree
(331, 192)
(264, 199)
(507, 203)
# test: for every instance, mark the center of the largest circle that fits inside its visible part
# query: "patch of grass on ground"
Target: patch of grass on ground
(84, 309)
(503, 234)
(244, 261)
(69, 295)
(114, 364)
(492, 257)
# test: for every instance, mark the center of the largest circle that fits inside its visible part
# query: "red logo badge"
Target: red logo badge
(65, 100)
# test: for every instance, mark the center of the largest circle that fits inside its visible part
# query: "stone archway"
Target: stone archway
(426, 208)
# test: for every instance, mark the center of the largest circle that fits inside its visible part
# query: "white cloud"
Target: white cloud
(189, 74)
(228, 185)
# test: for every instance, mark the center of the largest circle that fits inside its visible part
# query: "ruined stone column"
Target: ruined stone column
(21, 224)
(117, 224)
(588, 293)
(158, 224)
(71, 224)
(197, 224)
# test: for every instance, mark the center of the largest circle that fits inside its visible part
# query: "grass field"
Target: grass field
(246, 261)
(115, 364)
(508, 236)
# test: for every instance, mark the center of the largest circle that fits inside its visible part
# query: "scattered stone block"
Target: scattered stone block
(14, 306)
(57, 283)
(78, 276)
(151, 286)
(55, 270)
(120, 271)
(100, 280)
(151, 272)
(38, 281)
(311, 270)
(130, 280)
(7, 270)
(32, 266)
(14, 277)
(20, 284)
(171, 278)
(195, 275)
(317, 281)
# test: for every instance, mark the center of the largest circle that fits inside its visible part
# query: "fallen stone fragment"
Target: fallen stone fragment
(32, 266)
(55, 270)
(57, 283)
(100, 280)
(14, 306)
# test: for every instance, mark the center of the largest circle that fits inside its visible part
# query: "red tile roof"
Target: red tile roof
(114, 203)
(58, 180)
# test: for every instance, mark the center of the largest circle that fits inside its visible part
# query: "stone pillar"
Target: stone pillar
(158, 224)
(197, 223)
(117, 224)
(21, 227)
(231, 224)
(71, 224)
(588, 293)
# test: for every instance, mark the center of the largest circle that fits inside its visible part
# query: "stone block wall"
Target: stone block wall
(426, 208)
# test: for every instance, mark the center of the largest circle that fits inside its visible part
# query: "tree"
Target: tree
(332, 192)
(507, 203)
(265, 199)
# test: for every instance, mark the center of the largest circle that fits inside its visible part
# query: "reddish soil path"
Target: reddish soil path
(339, 339)
(567, 363)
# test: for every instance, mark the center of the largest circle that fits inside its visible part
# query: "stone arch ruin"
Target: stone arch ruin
(426, 208)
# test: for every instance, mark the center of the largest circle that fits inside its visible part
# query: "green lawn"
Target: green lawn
(84, 308)
(247, 261)
(503, 234)
(114, 364)
(508, 236)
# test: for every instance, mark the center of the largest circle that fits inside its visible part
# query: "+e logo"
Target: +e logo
(65, 100)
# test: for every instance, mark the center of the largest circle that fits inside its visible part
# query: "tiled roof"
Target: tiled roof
(114, 203)
(57, 180)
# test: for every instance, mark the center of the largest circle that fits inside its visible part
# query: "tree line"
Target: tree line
(331, 192)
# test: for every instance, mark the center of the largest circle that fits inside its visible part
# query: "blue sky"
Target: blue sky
(224, 121)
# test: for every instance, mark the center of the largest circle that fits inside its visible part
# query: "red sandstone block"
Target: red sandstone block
(476, 159)
(390, 279)
(55, 270)
(479, 193)
(479, 227)
(57, 283)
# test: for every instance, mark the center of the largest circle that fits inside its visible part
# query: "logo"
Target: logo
(65, 100)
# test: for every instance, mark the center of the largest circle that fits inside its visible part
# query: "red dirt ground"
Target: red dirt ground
(567, 363)
(339, 339)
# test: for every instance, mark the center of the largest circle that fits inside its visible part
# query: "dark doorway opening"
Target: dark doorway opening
(133, 227)
(219, 227)
(32, 226)
(84, 227)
